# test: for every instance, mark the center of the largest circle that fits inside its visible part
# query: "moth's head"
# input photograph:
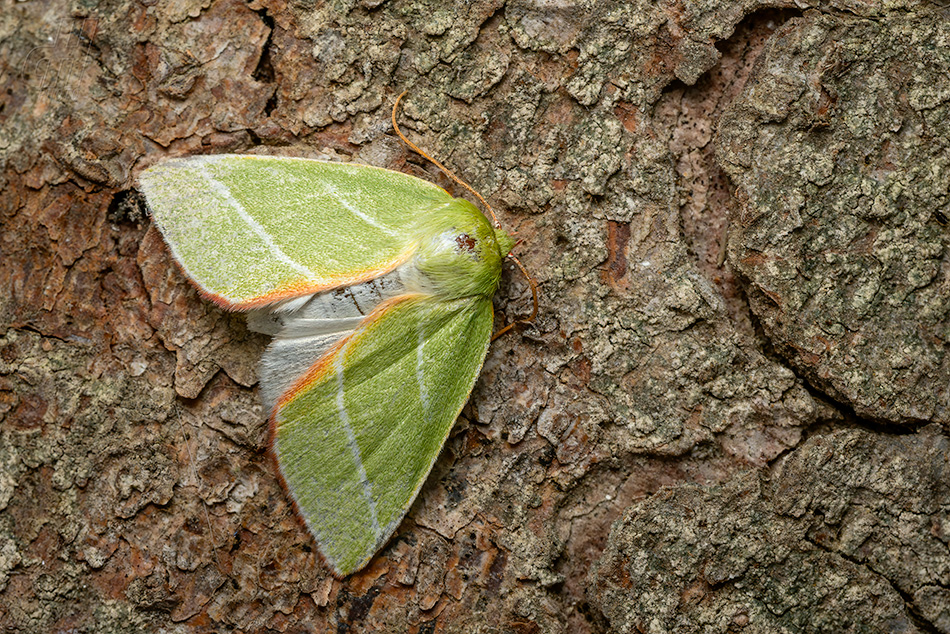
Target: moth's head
(459, 252)
(505, 242)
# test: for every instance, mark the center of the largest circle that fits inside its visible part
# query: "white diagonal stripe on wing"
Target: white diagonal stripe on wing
(330, 189)
(222, 190)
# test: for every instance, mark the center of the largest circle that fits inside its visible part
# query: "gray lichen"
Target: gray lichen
(840, 147)
(834, 540)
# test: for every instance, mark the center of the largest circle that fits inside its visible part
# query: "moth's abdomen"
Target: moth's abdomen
(306, 327)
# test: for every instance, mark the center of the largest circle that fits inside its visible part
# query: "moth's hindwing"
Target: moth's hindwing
(356, 437)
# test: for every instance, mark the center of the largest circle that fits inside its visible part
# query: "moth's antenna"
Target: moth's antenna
(534, 296)
(444, 169)
(448, 172)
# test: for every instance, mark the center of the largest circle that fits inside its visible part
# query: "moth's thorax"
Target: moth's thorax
(458, 253)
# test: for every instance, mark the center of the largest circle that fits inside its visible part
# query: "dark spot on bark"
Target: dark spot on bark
(546, 456)
(618, 236)
(264, 72)
(455, 491)
(29, 413)
(359, 608)
(496, 572)
(127, 206)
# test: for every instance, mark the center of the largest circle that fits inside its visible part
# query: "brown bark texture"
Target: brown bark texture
(731, 415)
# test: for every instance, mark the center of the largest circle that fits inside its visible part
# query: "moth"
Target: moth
(378, 289)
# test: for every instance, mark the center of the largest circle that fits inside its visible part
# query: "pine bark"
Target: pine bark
(732, 412)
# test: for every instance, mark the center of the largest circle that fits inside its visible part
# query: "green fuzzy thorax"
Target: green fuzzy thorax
(459, 252)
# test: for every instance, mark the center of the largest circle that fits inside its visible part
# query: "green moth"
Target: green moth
(377, 286)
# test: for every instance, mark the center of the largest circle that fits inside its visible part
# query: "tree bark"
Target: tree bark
(731, 415)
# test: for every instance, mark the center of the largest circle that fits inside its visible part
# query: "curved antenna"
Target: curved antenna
(534, 285)
(444, 169)
(534, 296)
